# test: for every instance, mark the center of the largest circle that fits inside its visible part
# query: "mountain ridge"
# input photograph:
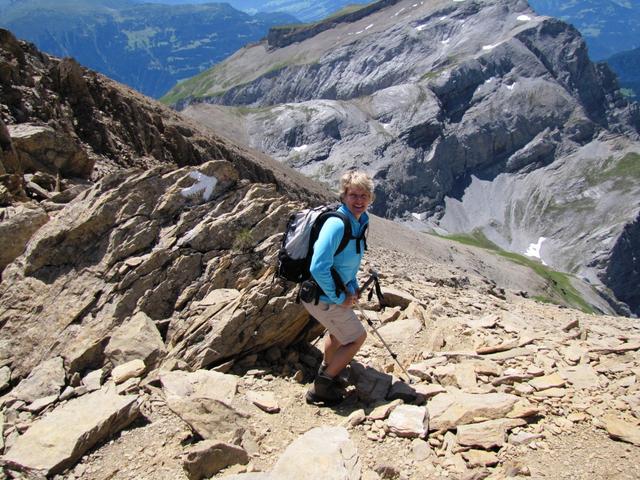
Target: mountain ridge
(427, 97)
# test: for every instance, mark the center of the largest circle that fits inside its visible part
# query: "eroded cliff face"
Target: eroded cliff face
(442, 101)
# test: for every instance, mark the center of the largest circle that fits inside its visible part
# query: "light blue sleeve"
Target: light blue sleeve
(324, 250)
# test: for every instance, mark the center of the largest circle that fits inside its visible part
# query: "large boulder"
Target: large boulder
(41, 148)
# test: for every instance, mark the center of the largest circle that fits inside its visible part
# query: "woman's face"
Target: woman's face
(357, 200)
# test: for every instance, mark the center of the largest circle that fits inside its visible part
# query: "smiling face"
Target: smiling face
(357, 200)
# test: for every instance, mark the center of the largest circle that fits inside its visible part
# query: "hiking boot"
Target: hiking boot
(324, 391)
(342, 379)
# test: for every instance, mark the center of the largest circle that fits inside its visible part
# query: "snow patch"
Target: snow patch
(488, 47)
(490, 79)
(368, 26)
(445, 41)
(524, 18)
(301, 148)
(419, 216)
(419, 28)
(534, 249)
(398, 12)
(512, 86)
(359, 32)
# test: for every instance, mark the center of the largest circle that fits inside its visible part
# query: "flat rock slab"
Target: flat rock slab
(58, 440)
(625, 431)
(448, 410)
(207, 458)
(400, 330)
(580, 376)
(548, 381)
(487, 435)
(265, 401)
(323, 452)
(199, 384)
(409, 421)
(45, 380)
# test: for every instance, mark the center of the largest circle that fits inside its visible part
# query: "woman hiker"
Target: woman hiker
(346, 333)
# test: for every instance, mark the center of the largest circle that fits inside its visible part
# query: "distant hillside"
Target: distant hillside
(608, 26)
(303, 10)
(149, 47)
(627, 67)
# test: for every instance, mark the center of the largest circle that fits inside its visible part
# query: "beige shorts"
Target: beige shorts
(341, 322)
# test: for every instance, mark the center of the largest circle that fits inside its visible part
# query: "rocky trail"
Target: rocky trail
(502, 388)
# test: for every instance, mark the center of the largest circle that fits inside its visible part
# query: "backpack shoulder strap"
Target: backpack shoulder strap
(347, 232)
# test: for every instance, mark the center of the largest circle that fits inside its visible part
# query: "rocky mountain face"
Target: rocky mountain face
(608, 26)
(472, 117)
(142, 334)
(627, 67)
(149, 47)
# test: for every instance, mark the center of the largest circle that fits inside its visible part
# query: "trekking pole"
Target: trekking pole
(375, 330)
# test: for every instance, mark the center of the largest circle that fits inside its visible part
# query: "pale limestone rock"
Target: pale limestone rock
(524, 438)
(382, 411)
(58, 440)
(40, 147)
(547, 381)
(202, 399)
(573, 353)
(323, 452)
(447, 410)
(41, 403)
(409, 421)
(205, 459)
(466, 377)
(200, 384)
(429, 390)
(45, 380)
(486, 321)
(553, 392)
(356, 417)
(400, 330)
(136, 339)
(479, 458)
(580, 376)
(93, 380)
(421, 370)
(219, 297)
(487, 367)
(625, 431)
(18, 224)
(265, 401)
(394, 297)
(486, 435)
(125, 371)
(390, 314)
(421, 450)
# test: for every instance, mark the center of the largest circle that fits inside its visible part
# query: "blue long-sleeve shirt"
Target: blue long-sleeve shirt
(346, 263)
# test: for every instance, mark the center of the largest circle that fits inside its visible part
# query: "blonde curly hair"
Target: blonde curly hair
(357, 180)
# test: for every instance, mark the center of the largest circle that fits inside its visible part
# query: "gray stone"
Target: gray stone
(18, 224)
(400, 330)
(323, 452)
(265, 401)
(448, 410)
(409, 421)
(136, 339)
(45, 380)
(58, 440)
(207, 458)
(125, 371)
(203, 400)
(486, 435)
(622, 430)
